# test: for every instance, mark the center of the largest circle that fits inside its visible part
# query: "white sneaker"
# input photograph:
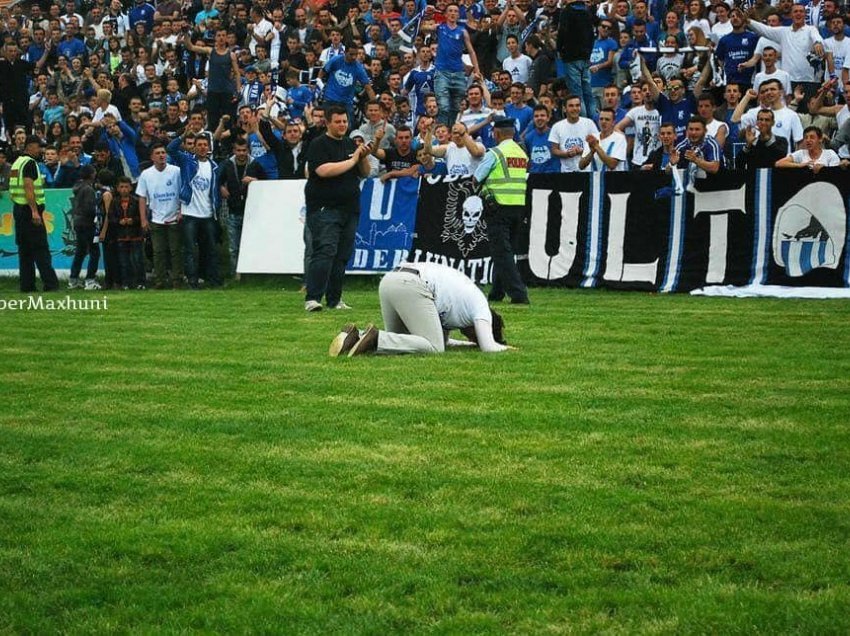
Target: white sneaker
(312, 305)
(92, 284)
(74, 283)
(342, 305)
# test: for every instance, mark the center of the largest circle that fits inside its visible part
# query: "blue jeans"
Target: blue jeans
(202, 232)
(332, 235)
(577, 76)
(234, 237)
(450, 88)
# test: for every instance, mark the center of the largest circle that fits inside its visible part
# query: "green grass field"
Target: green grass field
(195, 462)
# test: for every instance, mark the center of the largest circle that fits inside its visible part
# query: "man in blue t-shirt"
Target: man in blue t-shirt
(420, 80)
(734, 49)
(698, 153)
(341, 75)
(678, 107)
(602, 60)
(449, 78)
(540, 159)
(517, 109)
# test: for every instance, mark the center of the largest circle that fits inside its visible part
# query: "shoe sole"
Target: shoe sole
(344, 341)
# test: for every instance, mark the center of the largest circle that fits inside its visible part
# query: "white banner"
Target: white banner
(272, 232)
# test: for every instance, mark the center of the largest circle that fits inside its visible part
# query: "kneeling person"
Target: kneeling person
(420, 304)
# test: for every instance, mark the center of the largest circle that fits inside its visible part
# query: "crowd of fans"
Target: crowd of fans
(601, 85)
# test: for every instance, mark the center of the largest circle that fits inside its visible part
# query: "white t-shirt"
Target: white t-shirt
(458, 300)
(161, 189)
(647, 123)
(778, 74)
(567, 135)
(615, 146)
(840, 50)
(827, 158)
(201, 204)
(112, 109)
(261, 29)
(786, 124)
(719, 30)
(714, 127)
(518, 67)
(459, 160)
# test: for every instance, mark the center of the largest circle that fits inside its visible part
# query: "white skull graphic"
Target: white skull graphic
(472, 208)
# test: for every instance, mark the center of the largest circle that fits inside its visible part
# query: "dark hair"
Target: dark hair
(766, 111)
(696, 119)
(105, 177)
(667, 124)
(335, 110)
(156, 146)
(814, 129)
(122, 179)
(240, 141)
(87, 172)
(541, 107)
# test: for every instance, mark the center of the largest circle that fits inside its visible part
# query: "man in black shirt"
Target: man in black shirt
(332, 198)
(402, 156)
(767, 149)
(15, 75)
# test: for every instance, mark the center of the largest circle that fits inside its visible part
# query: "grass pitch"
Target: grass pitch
(195, 461)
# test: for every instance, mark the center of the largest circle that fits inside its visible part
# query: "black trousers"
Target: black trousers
(85, 246)
(219, 104)
(504, 227)
(33, 250)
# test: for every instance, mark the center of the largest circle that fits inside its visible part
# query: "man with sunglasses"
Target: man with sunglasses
(677, 106)
(602, 60)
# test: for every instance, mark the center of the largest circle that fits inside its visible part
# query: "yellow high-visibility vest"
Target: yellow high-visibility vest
(16, 182)
(507, 179)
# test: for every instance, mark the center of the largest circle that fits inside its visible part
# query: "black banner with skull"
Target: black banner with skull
(451, 228)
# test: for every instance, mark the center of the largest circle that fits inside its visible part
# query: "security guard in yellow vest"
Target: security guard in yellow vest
(503, 171)
(26, 189)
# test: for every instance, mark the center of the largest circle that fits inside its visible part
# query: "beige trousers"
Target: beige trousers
(411, 322)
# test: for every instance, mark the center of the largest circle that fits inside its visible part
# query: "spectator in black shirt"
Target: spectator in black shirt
(332, 198)
(402, 156)
(763, 148)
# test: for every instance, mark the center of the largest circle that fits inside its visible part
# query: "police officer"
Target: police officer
(26, 189)
(503, 173)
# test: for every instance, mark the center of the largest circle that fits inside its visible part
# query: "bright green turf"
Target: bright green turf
(642, 463)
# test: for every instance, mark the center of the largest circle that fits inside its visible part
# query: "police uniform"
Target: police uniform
(33, 250)
(503, 172)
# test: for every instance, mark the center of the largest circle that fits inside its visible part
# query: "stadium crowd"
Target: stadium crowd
(228, 92)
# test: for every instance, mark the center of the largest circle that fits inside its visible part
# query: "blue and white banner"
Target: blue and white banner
(387, 222)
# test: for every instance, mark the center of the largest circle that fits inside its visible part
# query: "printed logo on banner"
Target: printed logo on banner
(463, 222)
(810, 230)
(387, 221)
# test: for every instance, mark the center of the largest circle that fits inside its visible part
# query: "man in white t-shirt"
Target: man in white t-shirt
(812, 155)
(786, 124)
(158, 189)
(517, 64)
(837, 46)
(259, 30)
(646, 121)
(568, 137)
(200, 196)
(462, 153)
(420, 304)
(608, 152)
(104, 105)
(772, 71)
